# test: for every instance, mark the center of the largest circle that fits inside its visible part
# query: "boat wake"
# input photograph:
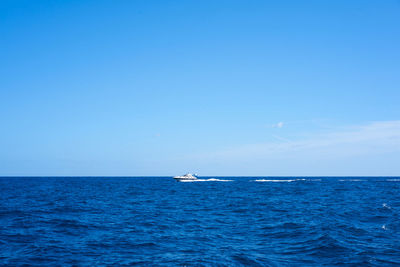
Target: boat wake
(278, 180)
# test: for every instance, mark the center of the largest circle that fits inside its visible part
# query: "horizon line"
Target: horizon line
(152, 176)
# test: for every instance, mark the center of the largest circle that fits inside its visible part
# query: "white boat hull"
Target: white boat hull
(186, 177)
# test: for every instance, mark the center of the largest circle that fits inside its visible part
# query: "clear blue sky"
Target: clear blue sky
(213, 87)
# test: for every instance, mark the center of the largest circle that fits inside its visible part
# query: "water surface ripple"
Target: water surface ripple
(103, 221)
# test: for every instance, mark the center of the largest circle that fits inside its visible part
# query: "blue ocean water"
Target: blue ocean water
(160, 222)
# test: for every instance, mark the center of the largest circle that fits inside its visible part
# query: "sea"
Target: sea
(218, 221)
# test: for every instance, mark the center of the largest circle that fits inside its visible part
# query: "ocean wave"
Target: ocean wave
(393, 180)
(164, 223)
(351, 180)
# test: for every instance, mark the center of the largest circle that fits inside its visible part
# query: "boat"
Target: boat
(186, 177)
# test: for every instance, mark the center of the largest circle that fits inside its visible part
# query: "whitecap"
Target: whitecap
(393, 180)
(384, 205)
(384, 227)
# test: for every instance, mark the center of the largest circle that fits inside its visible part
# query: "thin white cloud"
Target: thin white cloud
(369, 139)
(280, 138)
(278, 125)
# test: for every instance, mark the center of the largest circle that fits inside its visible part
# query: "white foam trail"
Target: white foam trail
(282, 181)
(393, 180)
(351, 180)
(217, 180)
(205, 180)
(384, 205)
